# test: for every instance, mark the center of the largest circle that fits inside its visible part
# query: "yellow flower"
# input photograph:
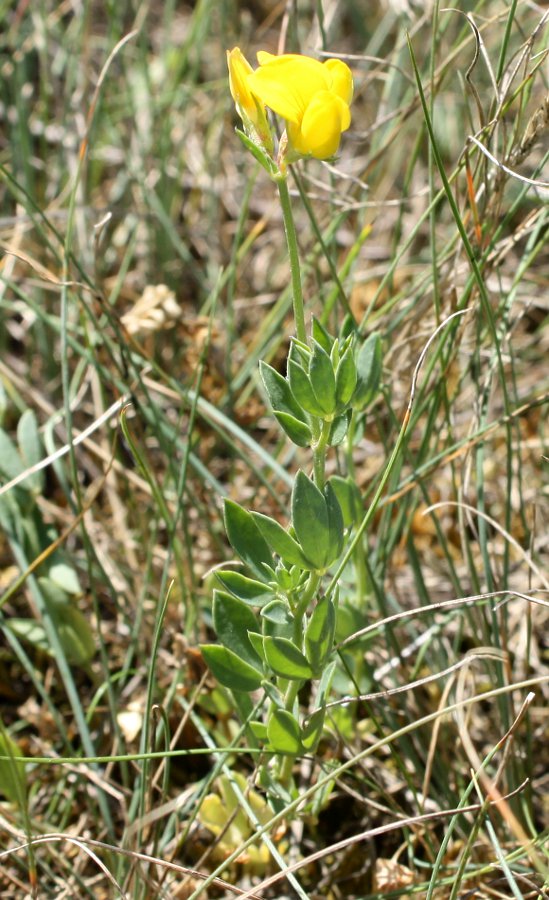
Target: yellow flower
(313, 97)
(250, 109)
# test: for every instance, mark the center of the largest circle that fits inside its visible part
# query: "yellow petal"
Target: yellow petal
(342, 79)
(288, 83)
(264, 57)
(325, 118)
(239, 74)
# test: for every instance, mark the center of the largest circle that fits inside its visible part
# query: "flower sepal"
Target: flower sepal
(259, 153)
(287, 154)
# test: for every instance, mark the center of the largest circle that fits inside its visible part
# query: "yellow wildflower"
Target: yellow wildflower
(313, 97)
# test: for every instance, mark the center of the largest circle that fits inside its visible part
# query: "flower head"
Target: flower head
(313, 97)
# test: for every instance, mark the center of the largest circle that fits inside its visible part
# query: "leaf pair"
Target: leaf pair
(287, 410)
(234, 662)
(287, 736)
(294, 401)
(322, 382)
(250, 652)
(318, 526)
(317, 521)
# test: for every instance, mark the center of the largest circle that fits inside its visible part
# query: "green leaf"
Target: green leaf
(214, 815)
(10, 461)
(218, 702)
(232, 786)
(302, 389)
(297, 431)
(348, 327)
(13, 783)
(335, 356)
(349, 621)
(73, 629)
(278, 612)
(75, 634)
(246, 538)
(279, 796)
(289, 579)
(312, 732)
(10, 516)
(54, 596)
(259, 729)
(346, 378)
(339, 428)
(368, 366)
(30, 448)
(284, 732)
(299, 353)
(285, 659)
(335, 523)
(277, 619)
(29, 630)
(280, 541)
(322, 378)
(273, 694)
(246, 589)
(232, 619)
(279, 392)
(325, 683)
(310, 520)
(321, 336)
(65, 577)
(229, 669)
(256, 640)
(348, 497)
(319, 635)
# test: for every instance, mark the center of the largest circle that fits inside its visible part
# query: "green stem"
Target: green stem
(303, 605)
(362, 583)
(319, 454)
(293, 252)
(285, 764)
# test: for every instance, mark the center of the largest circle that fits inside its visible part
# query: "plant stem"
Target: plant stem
(319, 454)
(285, 764)
(362, 585)
(293, 252)
(303, 605)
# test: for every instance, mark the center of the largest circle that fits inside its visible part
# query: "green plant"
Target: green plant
(290, 642)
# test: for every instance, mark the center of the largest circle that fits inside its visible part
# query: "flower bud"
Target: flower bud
(250, 109)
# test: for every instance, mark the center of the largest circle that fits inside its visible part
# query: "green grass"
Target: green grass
(120, 171)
